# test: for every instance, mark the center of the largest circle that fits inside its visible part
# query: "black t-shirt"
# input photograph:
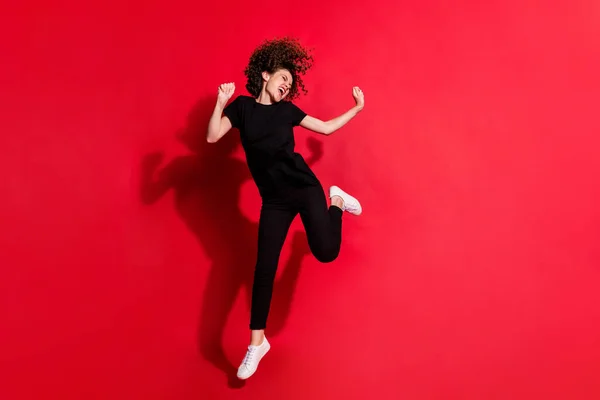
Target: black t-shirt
(267, 136)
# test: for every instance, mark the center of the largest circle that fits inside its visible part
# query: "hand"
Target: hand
(225, 92)
(359, 97)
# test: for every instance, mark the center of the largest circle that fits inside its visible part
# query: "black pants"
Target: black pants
(323, 229)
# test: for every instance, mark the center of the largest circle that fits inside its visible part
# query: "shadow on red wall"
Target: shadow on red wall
(207, 184)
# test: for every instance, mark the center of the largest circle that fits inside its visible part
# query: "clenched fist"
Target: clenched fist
(225, 92)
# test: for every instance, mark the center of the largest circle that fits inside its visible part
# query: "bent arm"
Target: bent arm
(328, 127)
(218, 125)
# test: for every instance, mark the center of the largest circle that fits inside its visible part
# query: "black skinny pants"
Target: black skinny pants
(323, 229)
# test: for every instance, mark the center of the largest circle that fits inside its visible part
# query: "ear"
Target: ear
(266, 76)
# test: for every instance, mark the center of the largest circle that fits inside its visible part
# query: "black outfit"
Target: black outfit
(287, 187)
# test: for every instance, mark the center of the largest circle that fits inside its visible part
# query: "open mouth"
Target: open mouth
(281, 91)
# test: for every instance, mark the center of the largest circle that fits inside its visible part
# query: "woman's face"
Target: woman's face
(278, 84)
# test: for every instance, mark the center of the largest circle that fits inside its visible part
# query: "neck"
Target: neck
(264, 98)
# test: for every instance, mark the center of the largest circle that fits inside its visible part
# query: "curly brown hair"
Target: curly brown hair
(274, 54)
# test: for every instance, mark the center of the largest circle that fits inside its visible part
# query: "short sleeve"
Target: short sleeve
(233, 111)
(297, 114)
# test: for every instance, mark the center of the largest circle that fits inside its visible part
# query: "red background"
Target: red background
(472, 274)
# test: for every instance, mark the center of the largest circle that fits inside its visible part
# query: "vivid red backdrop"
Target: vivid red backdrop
(472, 274)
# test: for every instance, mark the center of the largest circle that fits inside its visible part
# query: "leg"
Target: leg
(274, 224)
(275, 221)
(323, 225)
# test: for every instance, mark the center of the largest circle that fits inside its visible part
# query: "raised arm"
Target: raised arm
(328, 127)
(219, 125)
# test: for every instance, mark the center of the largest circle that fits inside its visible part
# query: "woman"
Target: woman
(286, 184)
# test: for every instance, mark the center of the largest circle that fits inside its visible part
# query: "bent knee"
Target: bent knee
(326, 255)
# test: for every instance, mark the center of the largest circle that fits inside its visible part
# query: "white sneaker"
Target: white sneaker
(351, 204)
(253, 356)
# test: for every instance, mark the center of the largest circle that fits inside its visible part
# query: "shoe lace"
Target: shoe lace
(249, 354)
